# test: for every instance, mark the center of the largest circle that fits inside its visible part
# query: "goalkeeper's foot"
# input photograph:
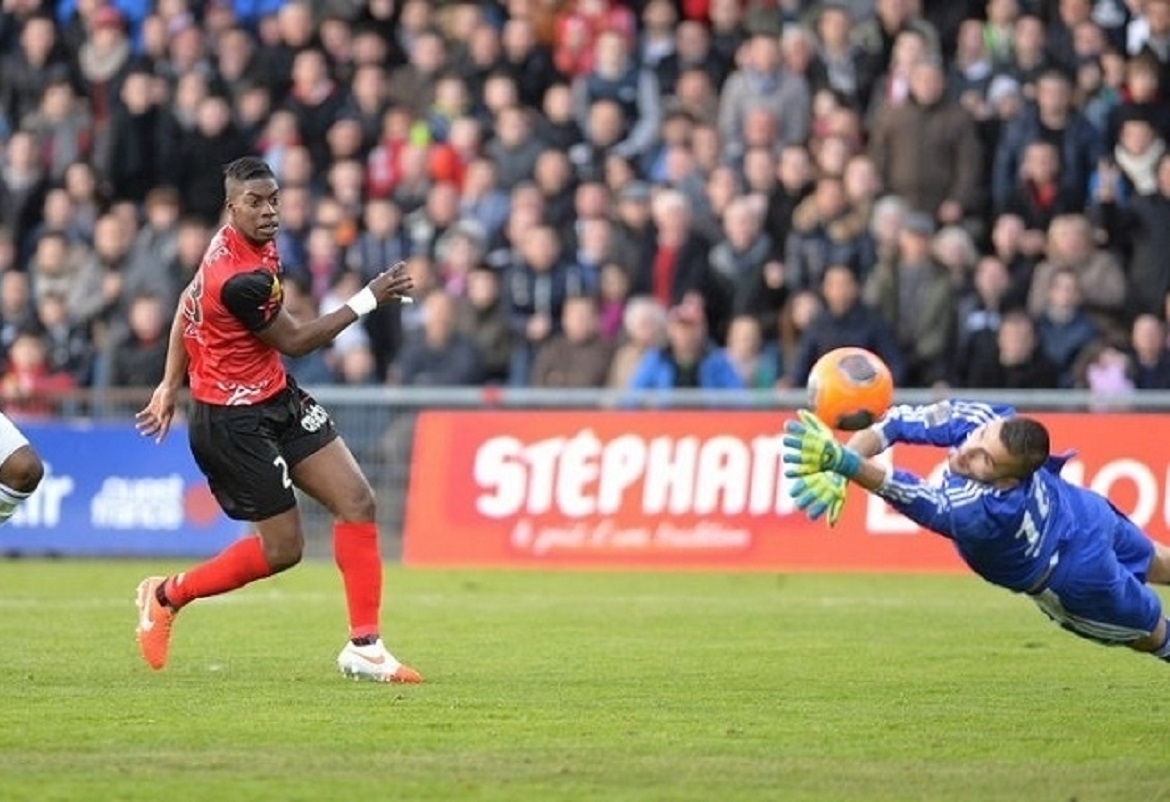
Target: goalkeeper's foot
(154, 623)
(374, 663)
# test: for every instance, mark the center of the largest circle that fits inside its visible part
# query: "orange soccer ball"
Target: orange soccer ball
(850, 388)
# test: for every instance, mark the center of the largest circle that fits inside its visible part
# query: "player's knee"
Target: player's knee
(358, 504)
(23, 470)
(283, 555)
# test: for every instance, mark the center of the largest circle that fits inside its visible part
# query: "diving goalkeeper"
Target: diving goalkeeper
(1010, 515)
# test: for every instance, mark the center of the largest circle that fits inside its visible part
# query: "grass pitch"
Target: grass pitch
(577, 686)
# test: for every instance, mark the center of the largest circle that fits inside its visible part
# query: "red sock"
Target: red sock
(237, 565)
(355, 547)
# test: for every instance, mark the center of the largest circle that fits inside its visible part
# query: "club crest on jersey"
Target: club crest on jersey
(272, 304)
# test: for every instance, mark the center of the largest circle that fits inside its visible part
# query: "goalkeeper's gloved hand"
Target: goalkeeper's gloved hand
(810, 447)
(820, 494)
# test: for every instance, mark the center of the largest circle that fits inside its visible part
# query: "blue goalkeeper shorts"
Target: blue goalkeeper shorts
(1097, 589)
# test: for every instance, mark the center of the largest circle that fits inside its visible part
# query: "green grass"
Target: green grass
(577, 686)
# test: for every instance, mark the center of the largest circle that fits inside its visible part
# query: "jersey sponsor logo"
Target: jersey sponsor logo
(315, 418)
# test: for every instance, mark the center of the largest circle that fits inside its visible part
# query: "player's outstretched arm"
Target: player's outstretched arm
(154, 420)
(290, 337)
(944, 423)
(810, 449)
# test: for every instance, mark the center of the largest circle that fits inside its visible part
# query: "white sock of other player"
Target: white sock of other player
(1163, 651)
(9, 500)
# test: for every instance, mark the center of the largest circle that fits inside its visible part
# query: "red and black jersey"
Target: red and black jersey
(235, 293)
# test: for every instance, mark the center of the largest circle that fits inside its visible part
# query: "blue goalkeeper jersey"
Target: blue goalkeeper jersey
(1010, 537)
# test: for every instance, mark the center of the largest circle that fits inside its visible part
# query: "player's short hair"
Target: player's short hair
(247, 168)
(1026, 440)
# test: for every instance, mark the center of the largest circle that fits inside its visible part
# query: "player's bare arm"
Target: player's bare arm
(290, 337)
(154, 420)
(866, 442)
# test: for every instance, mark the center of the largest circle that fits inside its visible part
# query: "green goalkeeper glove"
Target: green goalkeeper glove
(810, 447)
(820, 494)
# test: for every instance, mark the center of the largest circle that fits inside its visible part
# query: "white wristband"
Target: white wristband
(363, 302)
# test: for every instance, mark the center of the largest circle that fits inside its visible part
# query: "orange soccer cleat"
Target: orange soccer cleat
(154, 623)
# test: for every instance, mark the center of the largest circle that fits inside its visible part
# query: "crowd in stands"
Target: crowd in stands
(592, 193)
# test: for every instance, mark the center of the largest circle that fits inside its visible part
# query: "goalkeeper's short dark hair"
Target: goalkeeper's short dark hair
(1027, 441)
(247, 168)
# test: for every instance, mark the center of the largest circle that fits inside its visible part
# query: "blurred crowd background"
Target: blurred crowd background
(591, 193)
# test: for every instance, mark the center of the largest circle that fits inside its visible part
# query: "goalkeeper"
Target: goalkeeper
(1010, 515)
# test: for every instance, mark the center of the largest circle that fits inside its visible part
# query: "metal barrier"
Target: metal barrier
(378, 423)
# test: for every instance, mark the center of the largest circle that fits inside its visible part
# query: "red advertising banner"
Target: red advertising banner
(700, 490)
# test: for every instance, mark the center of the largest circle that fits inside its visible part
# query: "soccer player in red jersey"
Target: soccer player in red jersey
(257, 436)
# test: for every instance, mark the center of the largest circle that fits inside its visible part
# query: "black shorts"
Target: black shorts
(248, 452)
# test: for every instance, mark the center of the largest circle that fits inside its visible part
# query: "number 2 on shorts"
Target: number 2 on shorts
(284, 478)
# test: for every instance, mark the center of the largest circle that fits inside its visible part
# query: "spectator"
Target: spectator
(763, 82)
(577, 357)
(617, 77)
(514, 151)
(643, 329)
(26, 71)
(1108, 373)
(138, 355)
(535, 289)
(844, 320)
(140, 146)
(28, 385)
(440, 356)
(917, 298)
(1142, 95)
(527, 60)
(103, 58)
(927, 151)
(212, 144)
(152, 266)
(412, 85)
(954, 250)
(877, 35)
(1062, 328)
(1151, 355)
(1019, 364)
(688, 360)
(62, 126)
(743, 260)
(23, 184)
(613, 297)
(1053, 118)
(311, 368)
(1102, 283)
(1141, 232)
(482, 316)
(794, 183)
(1131, 170)
(579, 26)
(980, 314)
(67, 345)
(1038, 196)
(825, 231)
(757, 368)
(557, 127)
(841, 65)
